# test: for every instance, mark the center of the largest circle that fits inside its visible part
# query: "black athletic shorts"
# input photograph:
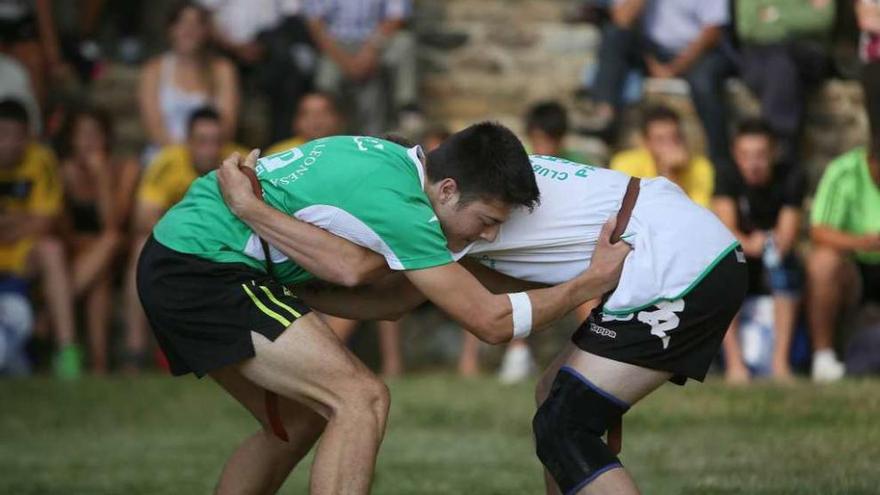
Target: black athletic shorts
(203, 312)
(870, 281)
(681, 336)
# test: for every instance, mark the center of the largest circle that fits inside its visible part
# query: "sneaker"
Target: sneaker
(517, 365)
(826, 367)
(67, 363)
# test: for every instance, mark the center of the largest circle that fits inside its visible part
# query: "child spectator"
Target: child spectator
(317, 116)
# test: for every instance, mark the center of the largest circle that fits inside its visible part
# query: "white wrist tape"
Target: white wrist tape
(522, 314)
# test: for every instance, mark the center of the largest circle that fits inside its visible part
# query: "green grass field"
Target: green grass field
(157, 435)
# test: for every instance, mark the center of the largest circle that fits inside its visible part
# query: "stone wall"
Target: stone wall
(491, 59)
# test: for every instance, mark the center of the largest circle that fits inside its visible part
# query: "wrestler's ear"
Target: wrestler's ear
(447, 190)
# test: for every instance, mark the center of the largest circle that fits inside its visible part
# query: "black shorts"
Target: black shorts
(203, 312)
(681, 336)
(870, 281)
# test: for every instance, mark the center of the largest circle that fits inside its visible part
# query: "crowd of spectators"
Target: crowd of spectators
(74, 212)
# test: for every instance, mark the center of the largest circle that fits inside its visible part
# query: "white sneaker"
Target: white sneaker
(826, 367)
(517, 365)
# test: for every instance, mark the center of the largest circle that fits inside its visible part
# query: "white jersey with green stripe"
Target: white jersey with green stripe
(675, 241)
(367, 190)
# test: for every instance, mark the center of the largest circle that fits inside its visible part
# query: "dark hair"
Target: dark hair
(64, 141)
(486, 160)
(658, 113)
(549, 117)
(397, 139)
(330, 98)
(14, 110)
(753, 127)
(179, 8)
(202, 113)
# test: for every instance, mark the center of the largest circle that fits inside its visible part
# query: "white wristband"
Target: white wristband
(522, 314)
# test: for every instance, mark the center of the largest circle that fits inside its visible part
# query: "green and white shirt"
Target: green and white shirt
(848, 199)
(367, 190)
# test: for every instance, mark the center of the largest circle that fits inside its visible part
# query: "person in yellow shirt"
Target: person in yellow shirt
(164, 183)
(665, 153)
(30, 200)
(317, 116)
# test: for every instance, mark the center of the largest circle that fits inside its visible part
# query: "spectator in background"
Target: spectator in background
(270, 41)
(844, 265)
(30, 201)
(164, 183)
(98, 191)
(27, 33)
(868, 16)
(357, 40)
(317, 116)
(546, 128)
(670, 39)
(761, 205)
(664, 152)
(187, 77)
(784, 48)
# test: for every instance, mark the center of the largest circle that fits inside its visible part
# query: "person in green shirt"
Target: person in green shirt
(217, 308)
(845, 229)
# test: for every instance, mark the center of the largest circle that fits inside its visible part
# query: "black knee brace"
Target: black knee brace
(568, 430)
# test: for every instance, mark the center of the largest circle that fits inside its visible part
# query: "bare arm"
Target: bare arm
(625, 14)
(393, 296)
(148, 100)
(327, 256)
(707, 40)
(844, 241)
(725, 208)
(489, 316)
(785, 233)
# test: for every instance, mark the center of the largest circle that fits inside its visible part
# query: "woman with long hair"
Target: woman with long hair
(186, 77)
(98, 188)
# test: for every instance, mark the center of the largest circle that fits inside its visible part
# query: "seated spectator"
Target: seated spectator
(317, 116)
(546, 128)
(269, 40)
(664, 152)
(30, 201)
(784, 48)
(844, 265)
(187, 77)
(682, 40)
(164, 183)
(98, 191)
(357, 39)
(761, 205)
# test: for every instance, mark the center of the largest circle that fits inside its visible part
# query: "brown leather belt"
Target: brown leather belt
(615, 430)
(626, 208)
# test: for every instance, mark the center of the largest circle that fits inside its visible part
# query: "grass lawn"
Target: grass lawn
(157, 435)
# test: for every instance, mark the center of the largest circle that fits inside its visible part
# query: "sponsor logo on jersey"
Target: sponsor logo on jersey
(605, 332)
(272, 163)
